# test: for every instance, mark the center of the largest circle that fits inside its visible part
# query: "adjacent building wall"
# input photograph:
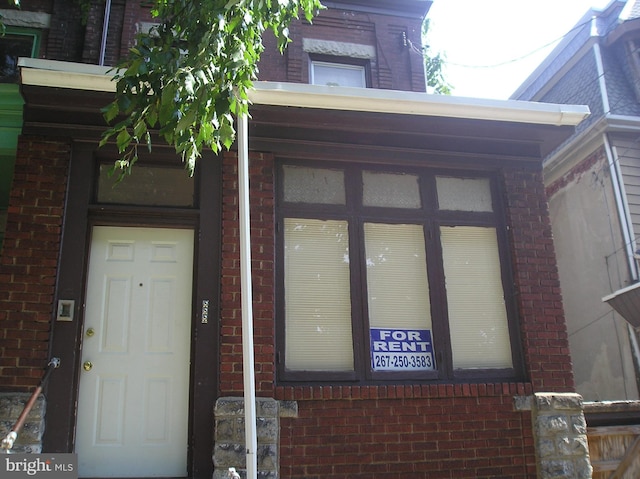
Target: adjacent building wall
(592, 263)
(595, 65)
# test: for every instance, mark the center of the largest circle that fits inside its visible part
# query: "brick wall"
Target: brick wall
(544, 335)
(66, 33)
(539, 302)
(28, 262)
(598, 157)
(403, 431)
(396, 65)
(394, 431)
(262, 256)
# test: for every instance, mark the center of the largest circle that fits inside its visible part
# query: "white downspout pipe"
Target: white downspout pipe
(105, 32)
(248, 368)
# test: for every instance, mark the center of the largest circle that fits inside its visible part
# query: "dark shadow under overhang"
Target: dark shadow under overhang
(300, 120)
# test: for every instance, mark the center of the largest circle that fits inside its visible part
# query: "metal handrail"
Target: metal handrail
(10, 439)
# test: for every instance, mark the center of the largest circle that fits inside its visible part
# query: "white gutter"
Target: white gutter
(54, 74)
(600, 69)
(57, 74)
(413, 103)
(246, 293)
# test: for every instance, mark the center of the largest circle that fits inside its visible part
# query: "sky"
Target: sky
(478, 35)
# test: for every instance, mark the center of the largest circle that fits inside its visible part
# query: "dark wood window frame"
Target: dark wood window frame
(431, 218)
(81, 214)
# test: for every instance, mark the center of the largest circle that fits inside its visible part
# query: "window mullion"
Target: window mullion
(359, 307)
(438, 295)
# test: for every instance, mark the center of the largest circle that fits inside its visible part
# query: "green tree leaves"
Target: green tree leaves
(189, 76)
(434, 66)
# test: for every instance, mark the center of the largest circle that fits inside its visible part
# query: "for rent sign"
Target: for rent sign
(401, 350)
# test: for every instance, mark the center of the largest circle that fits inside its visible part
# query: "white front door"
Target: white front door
(133, 399)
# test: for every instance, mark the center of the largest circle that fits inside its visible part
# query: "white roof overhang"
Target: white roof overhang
(55, 74)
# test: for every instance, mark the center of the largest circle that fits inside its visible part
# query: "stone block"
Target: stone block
(267, 456)
(229, 406)
(558, 401)
(546, 448)
(267, 430)
(583, 468)
(551, 425)
(227, 455)
(567, 402)
(573, 446)
(522, 403)
(229, 448)
(12, 404)
(30, 436)
(556, 469)
(226, 429)
(266, 407)
(578, 424)
(288, 409)
(223, 474)
(543, 402)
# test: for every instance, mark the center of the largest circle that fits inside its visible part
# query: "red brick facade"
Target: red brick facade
(390, 431)
(544, 334)
(396, 65)
(394, 431)
(443, 430)
(396, 40)
(29, 258)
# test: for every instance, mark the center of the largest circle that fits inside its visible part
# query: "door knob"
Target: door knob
(87, 365)
(90, 332)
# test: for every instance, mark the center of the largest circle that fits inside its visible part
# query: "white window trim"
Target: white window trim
(345, 66)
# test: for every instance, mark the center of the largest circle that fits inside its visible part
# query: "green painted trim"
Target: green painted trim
(11, 105)
(11, 119)
(34, 33)
(10, 95)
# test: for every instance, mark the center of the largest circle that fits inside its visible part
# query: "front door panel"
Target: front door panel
(132, 418)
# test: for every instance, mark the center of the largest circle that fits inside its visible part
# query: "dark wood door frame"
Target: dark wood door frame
(60, 419)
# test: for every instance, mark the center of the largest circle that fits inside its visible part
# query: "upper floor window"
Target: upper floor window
(389, 275)
(16, 43)
(337, 63)
(337, 74)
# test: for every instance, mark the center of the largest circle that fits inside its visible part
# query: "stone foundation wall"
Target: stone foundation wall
(229, 448)
(30, 436)
(560, 435)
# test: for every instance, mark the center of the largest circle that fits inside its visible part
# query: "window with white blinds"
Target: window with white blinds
(397, 283)
(389, 274)
(317, 304)
(477, 314)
